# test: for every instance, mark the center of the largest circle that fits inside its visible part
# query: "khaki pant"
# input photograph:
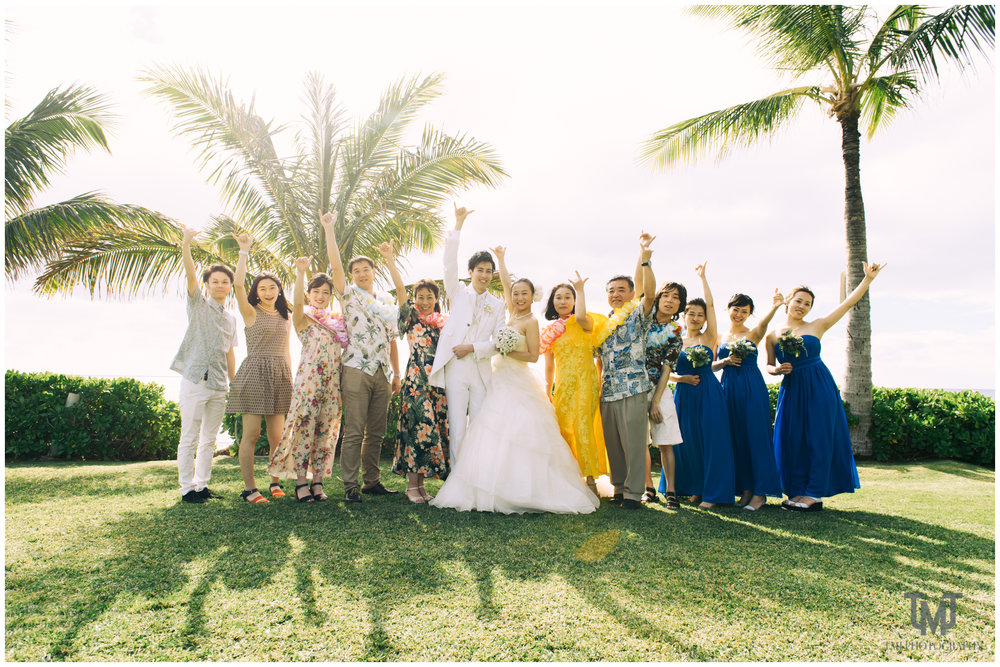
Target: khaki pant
(366, 401)
(625, 430)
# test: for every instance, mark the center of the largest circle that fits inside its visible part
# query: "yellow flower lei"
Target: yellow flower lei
(615, 321)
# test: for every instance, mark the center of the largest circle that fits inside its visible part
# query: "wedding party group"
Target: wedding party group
(472, 413)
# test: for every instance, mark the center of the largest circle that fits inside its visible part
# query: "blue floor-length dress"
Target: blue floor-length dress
(812, 444)
(750, 425)
(704, 461)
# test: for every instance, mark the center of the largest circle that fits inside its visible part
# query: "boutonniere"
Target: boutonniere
(488, 309)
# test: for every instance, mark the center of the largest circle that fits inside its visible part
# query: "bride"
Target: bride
(514, 458)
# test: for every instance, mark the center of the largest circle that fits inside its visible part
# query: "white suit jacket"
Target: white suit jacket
(462, 300)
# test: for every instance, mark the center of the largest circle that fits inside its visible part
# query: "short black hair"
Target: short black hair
(319, 280)
(697, 302)
(682, 296)
(481, 257)
(280, 304)
(217, 268)
(631, 285)
(428, 284)
(550, 307)
(739, 300)
(360, 258)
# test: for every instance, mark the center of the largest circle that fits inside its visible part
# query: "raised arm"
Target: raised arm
(648, 280)
(328, 220)
(451, 282)
(871, 270)
(385, 249)
(711, 329)
(585, 321)
(189, 270)
(298, 304)
(246, 310)
(500, 252)
(757, 333)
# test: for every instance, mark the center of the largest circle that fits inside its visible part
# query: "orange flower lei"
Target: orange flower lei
(550, 335)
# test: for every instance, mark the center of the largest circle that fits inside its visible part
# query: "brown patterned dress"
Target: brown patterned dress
(263, 383)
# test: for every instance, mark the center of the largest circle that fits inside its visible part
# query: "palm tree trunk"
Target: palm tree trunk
(857, 387)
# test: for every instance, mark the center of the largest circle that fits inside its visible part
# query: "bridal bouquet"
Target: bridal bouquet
(791, 344)
(741, 349)
(697, 355)
(507, 340)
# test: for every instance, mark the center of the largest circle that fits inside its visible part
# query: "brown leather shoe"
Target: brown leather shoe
(378, 489)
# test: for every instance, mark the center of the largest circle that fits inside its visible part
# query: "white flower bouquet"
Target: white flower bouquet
(507, 340)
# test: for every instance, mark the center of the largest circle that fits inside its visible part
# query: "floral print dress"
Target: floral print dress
(422, 433)
(313, 420)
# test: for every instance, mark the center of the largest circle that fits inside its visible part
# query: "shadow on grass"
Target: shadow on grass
(663, 566)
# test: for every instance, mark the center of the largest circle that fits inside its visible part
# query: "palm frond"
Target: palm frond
(375, 143)
(738, 125)
(121, 262)
(318, 143)
(38, 235)
(37, 145)
(882, 96)
(798, 38)
(890, 34)
(955, 35)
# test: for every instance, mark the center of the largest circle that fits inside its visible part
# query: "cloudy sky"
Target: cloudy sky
(566, 94)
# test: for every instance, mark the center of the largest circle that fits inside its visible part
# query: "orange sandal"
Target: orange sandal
(245, 495)
(276, 492)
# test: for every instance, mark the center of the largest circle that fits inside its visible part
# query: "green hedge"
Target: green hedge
(914, 424)
(118, 419)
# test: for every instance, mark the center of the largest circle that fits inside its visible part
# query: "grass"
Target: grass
(104, 563)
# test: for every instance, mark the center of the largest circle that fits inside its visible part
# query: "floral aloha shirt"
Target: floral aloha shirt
(369, 343)
(623, 358)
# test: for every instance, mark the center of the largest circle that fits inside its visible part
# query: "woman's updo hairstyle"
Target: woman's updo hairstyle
(318, 281)
(425, 283)
(536, 295)
(739, 300)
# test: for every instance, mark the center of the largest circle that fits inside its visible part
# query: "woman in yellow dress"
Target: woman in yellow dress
(571, 376)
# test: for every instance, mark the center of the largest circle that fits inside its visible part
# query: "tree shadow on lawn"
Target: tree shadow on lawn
(660, 568)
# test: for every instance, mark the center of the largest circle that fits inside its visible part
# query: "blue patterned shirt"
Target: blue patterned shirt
(623, 358)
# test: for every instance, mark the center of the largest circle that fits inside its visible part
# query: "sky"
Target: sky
(566, 94)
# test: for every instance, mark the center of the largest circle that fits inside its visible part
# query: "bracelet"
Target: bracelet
(644, 264)
(245, 253)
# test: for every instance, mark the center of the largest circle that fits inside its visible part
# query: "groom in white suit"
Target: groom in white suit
(462, 361)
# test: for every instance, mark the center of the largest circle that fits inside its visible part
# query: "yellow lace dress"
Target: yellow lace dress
(577, 396)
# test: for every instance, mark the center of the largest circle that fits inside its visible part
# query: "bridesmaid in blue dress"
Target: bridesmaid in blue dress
(812, 444)
(704, 462)
(748, 403)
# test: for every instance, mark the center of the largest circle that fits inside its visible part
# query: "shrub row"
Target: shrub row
(118, 419)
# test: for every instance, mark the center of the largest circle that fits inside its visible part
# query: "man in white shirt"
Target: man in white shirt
(462, 361)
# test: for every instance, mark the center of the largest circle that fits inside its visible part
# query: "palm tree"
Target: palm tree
(381, 189)
(877, 68)
(38, 146)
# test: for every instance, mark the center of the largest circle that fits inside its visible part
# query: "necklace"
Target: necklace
(520, 317)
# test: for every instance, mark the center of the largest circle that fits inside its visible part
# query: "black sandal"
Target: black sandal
(320, 497)
(308, 498)
(672, 502)
(650, 495)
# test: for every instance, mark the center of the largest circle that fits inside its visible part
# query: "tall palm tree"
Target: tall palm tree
(381, 189)
(877, 67)
(38, 146)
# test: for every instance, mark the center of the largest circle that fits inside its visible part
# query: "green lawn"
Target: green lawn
(104, 563)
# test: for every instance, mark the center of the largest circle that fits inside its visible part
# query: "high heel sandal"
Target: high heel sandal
(672, 502)
(308, 498)
(276, 493)
(259, 500)
(420, 497)
(320, 497)
(426, 496)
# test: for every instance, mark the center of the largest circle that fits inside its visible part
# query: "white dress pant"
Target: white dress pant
(465, 391)
(201, 416)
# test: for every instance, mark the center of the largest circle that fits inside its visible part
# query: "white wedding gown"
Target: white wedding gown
(513, 458)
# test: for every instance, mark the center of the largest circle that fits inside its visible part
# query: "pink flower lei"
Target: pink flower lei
(551, 333)
(332, 321)
(432, 319)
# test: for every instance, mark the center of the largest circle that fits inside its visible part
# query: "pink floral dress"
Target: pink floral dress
(313, 420)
